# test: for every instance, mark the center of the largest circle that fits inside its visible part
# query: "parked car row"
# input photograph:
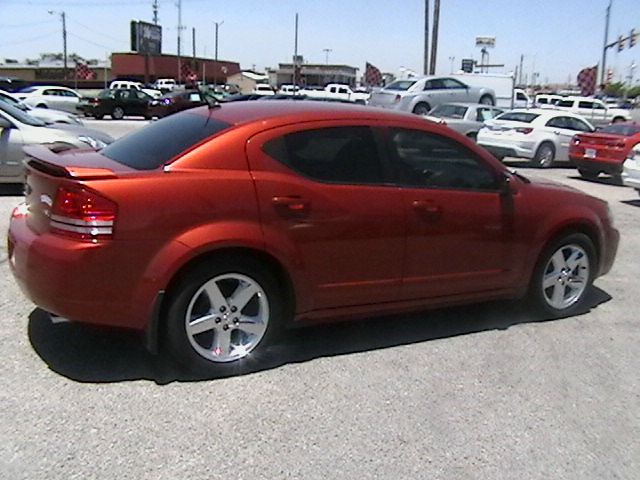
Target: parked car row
(119, 103)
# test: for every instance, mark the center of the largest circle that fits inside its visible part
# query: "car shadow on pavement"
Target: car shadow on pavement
(633, 203)
(91, 354)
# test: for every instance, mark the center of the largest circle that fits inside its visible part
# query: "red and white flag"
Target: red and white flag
(587, 80)
(372, 75)
(83, 72)
(187, 73)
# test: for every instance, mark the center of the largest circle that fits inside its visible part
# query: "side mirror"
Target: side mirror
(505, 185)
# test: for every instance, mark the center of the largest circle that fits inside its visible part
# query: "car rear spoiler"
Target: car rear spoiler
(47, 159)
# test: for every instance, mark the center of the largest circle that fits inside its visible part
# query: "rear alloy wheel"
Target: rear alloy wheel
(588, 174)
(486, 100)
(224, 314)
(544, 155)
(563, 275)
(117, 113)
(422, 108)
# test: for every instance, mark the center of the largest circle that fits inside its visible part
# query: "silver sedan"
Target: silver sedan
(18, 129)
(466, 119)
(420, 95)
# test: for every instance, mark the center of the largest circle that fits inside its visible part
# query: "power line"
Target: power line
(93, 30)
(32, 39)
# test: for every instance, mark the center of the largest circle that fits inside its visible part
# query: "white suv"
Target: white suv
(165, 84)
(594, 110)
(129, 85)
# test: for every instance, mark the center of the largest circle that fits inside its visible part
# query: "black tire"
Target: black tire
(117, 113)
(576, 244)
(98, 116)
(487, 100)
(193, 351)
(473, 136)
(544, 156)
(588, 174)
(422, 108)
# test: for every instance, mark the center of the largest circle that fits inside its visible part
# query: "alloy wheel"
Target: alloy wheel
(566, 276)
(227, 317)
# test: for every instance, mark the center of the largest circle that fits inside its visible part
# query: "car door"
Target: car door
(594, 111)
(325, 200)
(459, 226)
(11, 143)
(138, 103)
(456, 91)
(562, 129)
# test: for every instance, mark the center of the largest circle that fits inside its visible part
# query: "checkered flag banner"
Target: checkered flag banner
(83, 72)
(187, 73)
(587, 79)
(372, 75)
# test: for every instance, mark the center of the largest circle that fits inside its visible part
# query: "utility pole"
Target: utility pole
(326, 55)
(520, 71)
(215, 75)
(426, 37)
(155, 12)
(179, 39)
(434, 37)
(606, 41)
(193, 43)
(295, 59)
(63, 16)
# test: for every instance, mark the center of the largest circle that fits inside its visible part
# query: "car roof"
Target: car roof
(236, 113)
(545, 113)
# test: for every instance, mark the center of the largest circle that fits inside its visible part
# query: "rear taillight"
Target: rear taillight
(83, 214)
(524, 130)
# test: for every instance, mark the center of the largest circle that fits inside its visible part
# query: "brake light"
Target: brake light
(83, 214)
(524, 130)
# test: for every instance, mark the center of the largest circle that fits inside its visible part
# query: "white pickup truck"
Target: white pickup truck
(594, 110)
(337, 91)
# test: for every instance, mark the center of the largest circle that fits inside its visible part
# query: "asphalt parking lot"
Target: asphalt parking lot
(482, 392)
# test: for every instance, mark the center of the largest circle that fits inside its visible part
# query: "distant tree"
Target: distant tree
(615, 89)
(634, 92)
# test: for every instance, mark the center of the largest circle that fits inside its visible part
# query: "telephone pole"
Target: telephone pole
(215, 75)
(179, 40)
(63, 16)
(604, 48)
(426, 37)
(434, 37)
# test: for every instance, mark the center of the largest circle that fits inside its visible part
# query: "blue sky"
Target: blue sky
(556, 37)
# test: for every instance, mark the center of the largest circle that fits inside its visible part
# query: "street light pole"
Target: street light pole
(215, 74)
(606, 41)
(326, 54)
(63, 16)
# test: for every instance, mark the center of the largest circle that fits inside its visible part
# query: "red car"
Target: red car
(214, 228)
(605, 150)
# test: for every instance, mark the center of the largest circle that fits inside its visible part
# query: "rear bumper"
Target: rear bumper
(47, 269)
(609, 167)
(501, 150)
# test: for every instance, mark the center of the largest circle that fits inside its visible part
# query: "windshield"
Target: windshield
(400, 85)
(626, 130)
(21, 116)
(449, 111)
(523, 117)
(156, 144)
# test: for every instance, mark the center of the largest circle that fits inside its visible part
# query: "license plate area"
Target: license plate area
(590, 153)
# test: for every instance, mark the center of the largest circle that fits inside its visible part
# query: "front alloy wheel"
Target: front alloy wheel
(563, 275)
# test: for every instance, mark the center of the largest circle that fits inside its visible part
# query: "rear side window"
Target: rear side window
(565, 103)
(335, 155)
(625, 130)
(154, 145)
(400, 85)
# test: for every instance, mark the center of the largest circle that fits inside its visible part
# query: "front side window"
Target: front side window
(432, 161)
(565, 103)
(449, 110)
(487, 113)
(335, 155)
